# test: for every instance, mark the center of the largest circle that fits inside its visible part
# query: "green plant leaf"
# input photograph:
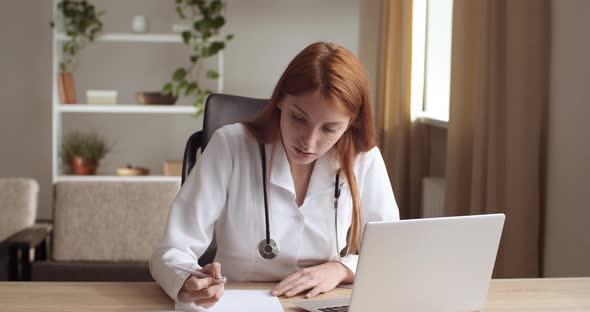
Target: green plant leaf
(212, 74)
(186, 36)
(191, 88)
(194, 58)
(200, 100)
(229, 37)
(218, 22)
(183, 84)
(197, 25)
(215, 6)
(167, 89)
(179, 12)
(215, 47)
(199, 109)
(205, 25)
(179, 74)
(205, 35)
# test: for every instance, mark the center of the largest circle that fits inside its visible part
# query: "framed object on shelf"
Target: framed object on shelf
(172, 168)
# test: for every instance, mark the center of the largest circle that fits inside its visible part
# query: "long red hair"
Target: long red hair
(340, 78)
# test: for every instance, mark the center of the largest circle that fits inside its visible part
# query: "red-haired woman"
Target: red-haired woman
(323, 177)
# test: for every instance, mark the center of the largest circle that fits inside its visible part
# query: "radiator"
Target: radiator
(433, 197)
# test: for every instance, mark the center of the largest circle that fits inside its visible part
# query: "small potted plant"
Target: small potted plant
(80, 21)
(82, 152)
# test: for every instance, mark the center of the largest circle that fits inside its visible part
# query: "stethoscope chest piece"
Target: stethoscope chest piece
(268, 250)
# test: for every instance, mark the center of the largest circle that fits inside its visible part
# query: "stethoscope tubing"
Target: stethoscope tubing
(266, 214)
(268, 248)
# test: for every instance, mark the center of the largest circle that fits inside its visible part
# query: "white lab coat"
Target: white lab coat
(224, 192)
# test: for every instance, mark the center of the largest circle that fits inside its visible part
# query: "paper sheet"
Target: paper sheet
(239, 300)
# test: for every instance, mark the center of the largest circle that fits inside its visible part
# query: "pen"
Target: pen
(222, 280)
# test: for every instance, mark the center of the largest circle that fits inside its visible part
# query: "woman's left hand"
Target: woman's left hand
(321, 278)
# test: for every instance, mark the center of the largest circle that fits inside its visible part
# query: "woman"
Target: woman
(316, 129)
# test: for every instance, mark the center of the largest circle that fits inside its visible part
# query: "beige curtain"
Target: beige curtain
(495, 149)
(402, 143)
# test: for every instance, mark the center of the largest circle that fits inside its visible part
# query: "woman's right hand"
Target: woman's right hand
(204, 292)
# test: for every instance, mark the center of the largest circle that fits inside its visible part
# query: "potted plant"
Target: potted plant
(80, 21)
(82, 152)
(206, 18)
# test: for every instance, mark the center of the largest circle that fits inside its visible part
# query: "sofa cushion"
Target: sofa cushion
(110, 221)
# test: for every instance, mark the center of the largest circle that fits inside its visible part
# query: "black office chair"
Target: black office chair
(220, 110)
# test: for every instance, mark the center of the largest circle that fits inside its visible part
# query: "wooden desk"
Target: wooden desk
(571, 294)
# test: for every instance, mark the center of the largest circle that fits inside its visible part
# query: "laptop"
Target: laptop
(437, 264)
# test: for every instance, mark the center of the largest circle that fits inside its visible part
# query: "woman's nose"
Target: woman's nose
(309, 139)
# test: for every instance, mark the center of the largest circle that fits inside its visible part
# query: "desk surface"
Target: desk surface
(567, 294)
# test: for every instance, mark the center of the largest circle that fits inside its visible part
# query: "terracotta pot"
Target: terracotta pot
(82, 166)
(65, 86)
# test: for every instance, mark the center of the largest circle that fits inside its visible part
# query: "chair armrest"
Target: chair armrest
(30, 237)
(34, 238)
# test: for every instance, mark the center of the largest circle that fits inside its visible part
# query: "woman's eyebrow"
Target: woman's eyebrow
(331, 123)
(334, 123)
(300, 110)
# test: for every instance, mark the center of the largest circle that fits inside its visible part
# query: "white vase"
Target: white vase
(139, 24)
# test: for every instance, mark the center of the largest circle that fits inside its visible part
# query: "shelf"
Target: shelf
(131, 37)
(127, 108)
(106, 178)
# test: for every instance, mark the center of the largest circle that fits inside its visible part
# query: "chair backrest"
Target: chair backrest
(110, 221)
(220, 110)
(18, 205)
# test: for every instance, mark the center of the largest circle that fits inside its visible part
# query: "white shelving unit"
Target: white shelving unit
(63, 178)
(127, 108)
(131, 37)
(59, 109)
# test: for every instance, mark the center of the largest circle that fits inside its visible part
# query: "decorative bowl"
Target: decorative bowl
(132, 171)
(155, 98)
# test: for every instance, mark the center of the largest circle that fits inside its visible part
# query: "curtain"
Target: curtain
(403, 143)
(496, 132)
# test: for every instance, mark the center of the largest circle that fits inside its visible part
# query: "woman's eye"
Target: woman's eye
(328, 130)
(298, 119)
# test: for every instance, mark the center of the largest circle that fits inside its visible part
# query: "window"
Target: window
(431, 59)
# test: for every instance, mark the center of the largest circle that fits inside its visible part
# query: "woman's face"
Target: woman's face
(310, 126)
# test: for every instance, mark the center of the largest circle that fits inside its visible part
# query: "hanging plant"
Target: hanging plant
(206, 18)
(80, 21)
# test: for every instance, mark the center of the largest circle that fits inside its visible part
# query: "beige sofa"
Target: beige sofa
(105, 231)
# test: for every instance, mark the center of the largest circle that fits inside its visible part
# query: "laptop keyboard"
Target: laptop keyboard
(343, 308)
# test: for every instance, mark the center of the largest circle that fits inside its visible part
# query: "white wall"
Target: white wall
(268, 33)
(25, 93)
(567, 245)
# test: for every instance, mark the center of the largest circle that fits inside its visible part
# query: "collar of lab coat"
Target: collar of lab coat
(322, 178)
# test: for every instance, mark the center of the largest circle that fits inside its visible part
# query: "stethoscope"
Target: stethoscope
(268, 247)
